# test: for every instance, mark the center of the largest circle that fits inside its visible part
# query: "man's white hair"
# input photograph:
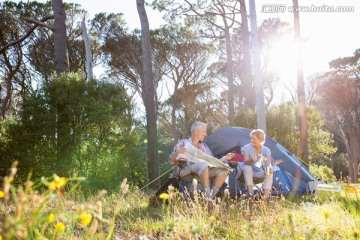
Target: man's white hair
(197, 125)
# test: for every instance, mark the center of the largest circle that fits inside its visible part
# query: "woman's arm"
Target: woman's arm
(248, 160)
(227, 157)
(267, 154)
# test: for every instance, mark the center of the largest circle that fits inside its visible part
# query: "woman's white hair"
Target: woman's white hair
(260, 134)
(197, 125)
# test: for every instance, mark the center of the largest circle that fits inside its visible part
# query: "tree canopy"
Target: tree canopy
(154, 84)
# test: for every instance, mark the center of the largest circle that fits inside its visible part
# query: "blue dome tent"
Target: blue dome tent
(231, 139)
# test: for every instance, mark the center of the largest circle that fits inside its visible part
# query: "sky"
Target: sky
(327, 31)
(327, 34)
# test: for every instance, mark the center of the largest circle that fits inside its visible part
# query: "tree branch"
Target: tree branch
(3, 49)
(40, 23)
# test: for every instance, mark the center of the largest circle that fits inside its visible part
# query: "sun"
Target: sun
(282, 58)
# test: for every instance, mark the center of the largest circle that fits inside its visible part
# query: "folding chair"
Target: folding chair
(237, 186)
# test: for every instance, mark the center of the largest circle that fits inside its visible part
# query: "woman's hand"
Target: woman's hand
(252, 160)
(247, 159)
(228, 157)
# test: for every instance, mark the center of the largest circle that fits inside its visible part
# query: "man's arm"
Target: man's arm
(178, 149)
(224, 159)
(173, 157)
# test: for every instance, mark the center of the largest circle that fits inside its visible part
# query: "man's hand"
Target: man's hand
(174, 158)
(181, 160)
(181, 151)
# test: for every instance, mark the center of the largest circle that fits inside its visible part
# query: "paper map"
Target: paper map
(194, 155)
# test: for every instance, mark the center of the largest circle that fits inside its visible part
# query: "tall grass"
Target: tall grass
(60, 211)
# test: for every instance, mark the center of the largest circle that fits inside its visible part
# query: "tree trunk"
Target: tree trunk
(259, 88)
(149, 96)
(229, 73)
(249, 92)
(87, 50)
(173, 124)
(345, 140)
(354, 157)
(302, 149)
(357, 134)
(60, 37)
(6, 100)
(173, 115)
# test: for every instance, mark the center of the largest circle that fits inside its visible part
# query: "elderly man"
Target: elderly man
(201, 169)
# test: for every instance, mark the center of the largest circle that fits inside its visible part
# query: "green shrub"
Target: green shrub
(322, 172)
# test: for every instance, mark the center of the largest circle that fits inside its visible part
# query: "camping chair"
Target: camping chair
(237, 186)
(186, 183)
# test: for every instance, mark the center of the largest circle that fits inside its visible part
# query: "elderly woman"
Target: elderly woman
(254, 153)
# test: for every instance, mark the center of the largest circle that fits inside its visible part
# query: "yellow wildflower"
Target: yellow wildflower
(2, 194)
(356, 234)
(60, 227)
(326, 214)
(164, 196)
(212, 218)
(52, 185)
(59, 182)
(85, 218)
(51, 218)
(0, 237)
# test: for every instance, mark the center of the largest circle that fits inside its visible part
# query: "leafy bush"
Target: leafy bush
(75, 127)
(323, 172)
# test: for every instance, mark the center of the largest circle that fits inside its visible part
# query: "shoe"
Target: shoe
(210, 204)
(249, 197)
(268, 199)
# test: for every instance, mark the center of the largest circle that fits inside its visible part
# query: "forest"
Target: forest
(91, 109)
(202, 65)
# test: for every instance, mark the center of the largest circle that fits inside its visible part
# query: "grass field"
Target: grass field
(61, 211)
